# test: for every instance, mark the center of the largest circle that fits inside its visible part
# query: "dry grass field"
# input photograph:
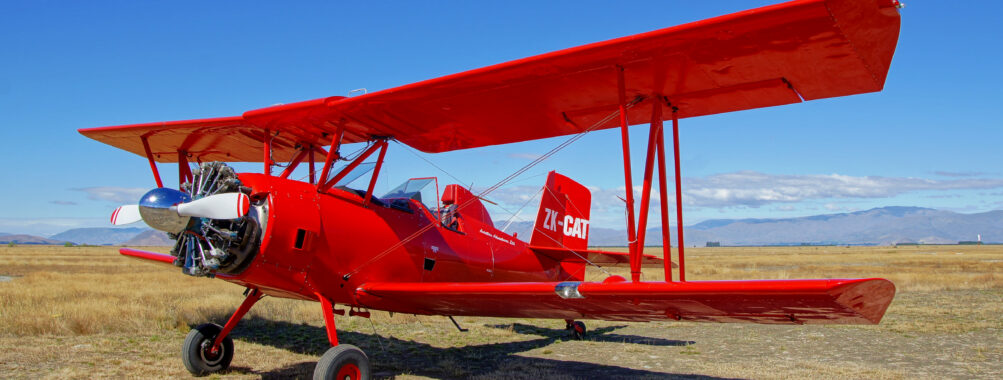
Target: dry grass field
(83, 312)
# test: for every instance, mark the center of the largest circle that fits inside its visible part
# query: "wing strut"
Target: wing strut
(267, 142)
(184, 171)
(625, 139)
(313, 170)
(663, 197)
(332, 154)
(655, 152)
(376, 173)
(642, 217)
(484, 193)
(153, 164)
(679, 193)
(324, 186)
(297, 159)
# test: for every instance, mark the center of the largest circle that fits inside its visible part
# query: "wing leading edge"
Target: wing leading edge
(779, 54)
(159, 258)
(826, 301)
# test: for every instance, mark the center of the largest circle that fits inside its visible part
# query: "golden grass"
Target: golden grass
(86, 290)
(76, 304)
(911, 268)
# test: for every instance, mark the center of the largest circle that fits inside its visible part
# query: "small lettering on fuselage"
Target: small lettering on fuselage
(499, 238)
(572, 226)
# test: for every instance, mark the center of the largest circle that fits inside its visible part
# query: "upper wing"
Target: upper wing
(230, 139)
(780, 54)
(835, 301)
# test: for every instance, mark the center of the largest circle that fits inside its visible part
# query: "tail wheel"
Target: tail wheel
(577, 330)
(197, 353)
(343, 362)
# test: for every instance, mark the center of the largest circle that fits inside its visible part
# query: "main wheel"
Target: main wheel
(197, 352)
(343, 362)
(577, 330)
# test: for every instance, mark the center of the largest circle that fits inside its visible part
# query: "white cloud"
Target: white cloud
(120, 195)
(754, 189)
(748, 189)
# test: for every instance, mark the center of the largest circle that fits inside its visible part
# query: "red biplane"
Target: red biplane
(325, 240)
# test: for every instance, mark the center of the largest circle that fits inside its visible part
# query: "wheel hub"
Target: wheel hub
(349, 371)
(211, 355)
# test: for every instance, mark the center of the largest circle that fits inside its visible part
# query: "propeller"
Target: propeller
(218, 206)
(170, 210)
(209, 216)
(126, 214)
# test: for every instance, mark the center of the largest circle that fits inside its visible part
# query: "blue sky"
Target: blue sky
(930, 139)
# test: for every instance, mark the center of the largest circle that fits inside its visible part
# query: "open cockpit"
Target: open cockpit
(421, 195)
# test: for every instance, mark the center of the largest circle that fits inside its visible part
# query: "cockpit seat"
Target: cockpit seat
(469, 206)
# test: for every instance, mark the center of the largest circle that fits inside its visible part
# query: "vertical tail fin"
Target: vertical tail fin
(563, 220)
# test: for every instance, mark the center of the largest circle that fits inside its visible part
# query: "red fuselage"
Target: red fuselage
(312, 240)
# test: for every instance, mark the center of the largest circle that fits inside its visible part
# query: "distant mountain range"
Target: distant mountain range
(149, 238)
(27, 239)
(99, 236)
(879, 226)
(133, 236)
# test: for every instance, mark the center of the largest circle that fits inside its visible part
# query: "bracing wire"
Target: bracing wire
(512, 218)
(562, 244)
(350, 157)
(501, 183)
(412, 151)
(407, 148)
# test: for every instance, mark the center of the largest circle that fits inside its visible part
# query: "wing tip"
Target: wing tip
(869, 297)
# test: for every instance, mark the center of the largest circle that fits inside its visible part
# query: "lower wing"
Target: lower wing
(825, 301)
(159, 258)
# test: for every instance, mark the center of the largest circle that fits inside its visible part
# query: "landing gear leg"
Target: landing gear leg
(575, 328)
(208, 348)
(341, 361)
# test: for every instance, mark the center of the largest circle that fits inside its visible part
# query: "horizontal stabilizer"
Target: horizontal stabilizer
(601, 258)
(823, 301)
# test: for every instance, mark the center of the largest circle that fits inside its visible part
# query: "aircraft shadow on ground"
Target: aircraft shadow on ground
(392, 356)
(601, 334)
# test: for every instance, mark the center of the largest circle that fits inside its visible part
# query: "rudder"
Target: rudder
(563, 219)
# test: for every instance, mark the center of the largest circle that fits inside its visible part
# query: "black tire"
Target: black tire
(578, 330)
(343, 361)
(195, 350)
